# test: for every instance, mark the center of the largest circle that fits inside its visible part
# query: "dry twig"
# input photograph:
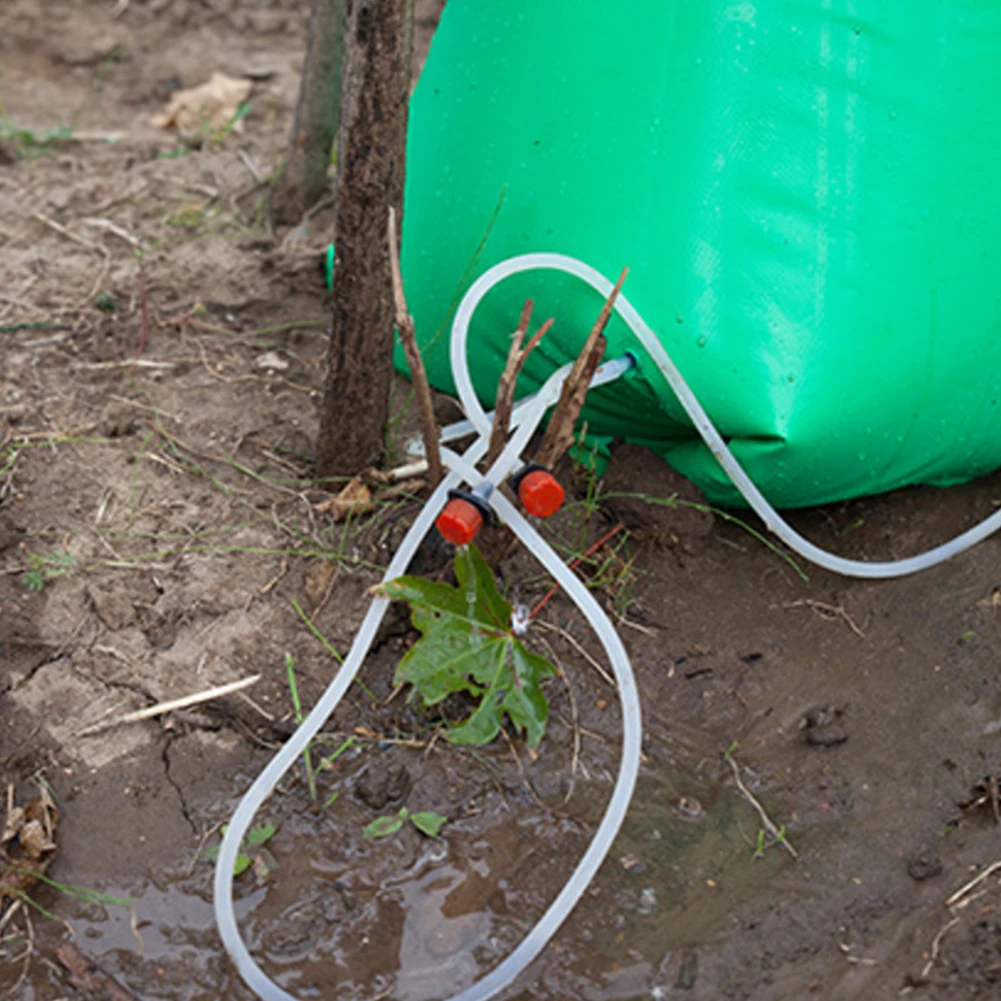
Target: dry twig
(575, 762)
(95, 247)
(560, 432)
(87, 976)
(955, 903)
(826, 611)
(773, 832)
(551, 627)
(171, 706)
(408, 338)
(509, 380)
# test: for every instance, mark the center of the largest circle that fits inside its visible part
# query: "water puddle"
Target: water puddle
(416, 919)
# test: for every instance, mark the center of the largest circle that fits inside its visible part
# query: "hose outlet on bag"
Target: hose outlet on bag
(463, 516)
(540, 493)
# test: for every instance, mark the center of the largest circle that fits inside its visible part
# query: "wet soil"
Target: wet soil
(165, 443)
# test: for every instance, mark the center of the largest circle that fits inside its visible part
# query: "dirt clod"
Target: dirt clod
(381, 783)
(117, 420)
(924, 864)
(10, 534)
(824, 727)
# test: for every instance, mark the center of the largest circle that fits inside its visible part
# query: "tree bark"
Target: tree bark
(303, 177)
(371, 152)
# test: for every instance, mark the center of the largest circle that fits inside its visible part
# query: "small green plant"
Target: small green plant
(26, 143)
(43, 567)
(88, 896)
(190, 216)
(307, 757)
(210, 137)
(105, 302)
(218, 136)
(470, 643)
(425, 821)
(257, 836)
(765, 843)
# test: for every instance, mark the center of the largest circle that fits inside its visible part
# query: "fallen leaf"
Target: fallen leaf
(12, 826)
(34, 840)
(211, 106)
(28, 847)
(993, 600)
(261, 870)
(355, 499)
(320, 576)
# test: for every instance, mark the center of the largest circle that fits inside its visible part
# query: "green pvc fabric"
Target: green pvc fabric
(807, 194)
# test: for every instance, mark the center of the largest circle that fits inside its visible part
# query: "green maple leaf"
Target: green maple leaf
(467, 645)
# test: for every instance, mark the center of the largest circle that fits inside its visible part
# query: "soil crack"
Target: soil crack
(165, 755)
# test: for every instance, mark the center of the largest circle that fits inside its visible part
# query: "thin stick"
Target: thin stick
(574, 722)
(144, 316)
(580, 649)
(87, 976)
(936, 945)
(307, 757)
(10, 912)
(250, 165)
(174, 704)
(580, 559)
(766, 821)
(26, 955)
(524, 777)
(111, 227)
(560, 432)
(963, 890)
(509, 380)
(827, 611)
(63, 231)
(408, 338)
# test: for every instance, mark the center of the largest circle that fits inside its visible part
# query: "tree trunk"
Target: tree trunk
(370, 171)
(303, 177)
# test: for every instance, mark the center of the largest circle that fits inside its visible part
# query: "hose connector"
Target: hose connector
(540, 493)
(463, 516)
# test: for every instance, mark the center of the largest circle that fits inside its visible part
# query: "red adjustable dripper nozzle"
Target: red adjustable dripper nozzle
(462, 517)
(539, 491)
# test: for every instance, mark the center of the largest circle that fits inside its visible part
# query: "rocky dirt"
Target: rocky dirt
(160, 368)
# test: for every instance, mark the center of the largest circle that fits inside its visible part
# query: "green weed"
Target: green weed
(307, 757)
(425, 821)
(675, 501)
(191, 216)
(45, 567)
(26, 144)
(257, 836)
(327, 645)
(765, 842)
(209, 137)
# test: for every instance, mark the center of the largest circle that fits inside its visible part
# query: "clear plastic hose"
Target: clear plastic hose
(460, 468)
(712, 438)
(526, 418)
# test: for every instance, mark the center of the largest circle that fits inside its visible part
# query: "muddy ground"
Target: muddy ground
(160, 363)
